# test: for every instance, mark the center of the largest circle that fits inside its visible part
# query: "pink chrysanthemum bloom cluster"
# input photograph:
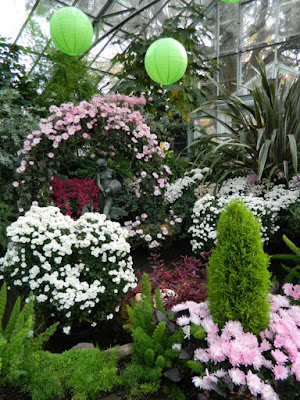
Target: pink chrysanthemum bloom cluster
(242, 356)
(292, 290)
(92, 121)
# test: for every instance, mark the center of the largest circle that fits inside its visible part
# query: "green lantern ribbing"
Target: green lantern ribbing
(71, 31)
(166, 61)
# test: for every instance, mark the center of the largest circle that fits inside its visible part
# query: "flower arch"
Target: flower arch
(109, 126)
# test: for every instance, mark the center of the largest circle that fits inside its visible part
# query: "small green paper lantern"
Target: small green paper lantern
(71, 31)
(230, 1)
(166, 61)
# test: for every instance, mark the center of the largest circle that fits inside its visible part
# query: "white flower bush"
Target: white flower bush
(76, 269)
(264, 204)
(175, 190)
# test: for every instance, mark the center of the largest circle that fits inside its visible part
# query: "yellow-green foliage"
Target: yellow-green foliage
(84, 373)
(13, 337)
(16, 339)
(237, 275)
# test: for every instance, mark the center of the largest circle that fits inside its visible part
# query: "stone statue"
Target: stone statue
(108, 187)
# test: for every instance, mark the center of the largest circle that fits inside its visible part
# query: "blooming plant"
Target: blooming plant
(180, 196)
(176, 190)
(76, 269)
(73, 194)
(109, 127)
(238, 362)
(264, 204)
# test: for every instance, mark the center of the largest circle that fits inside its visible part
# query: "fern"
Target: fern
(3, 299)
(158, 333)
(158, 301)
(13, 318)
(153, 344)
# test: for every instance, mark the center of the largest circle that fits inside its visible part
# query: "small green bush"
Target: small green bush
(17, 342)
(238, 277)
(84, 373)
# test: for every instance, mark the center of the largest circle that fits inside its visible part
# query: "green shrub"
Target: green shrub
(153, 337)
(17, 343)
(84, 373)
(238, 277)
(7, 216)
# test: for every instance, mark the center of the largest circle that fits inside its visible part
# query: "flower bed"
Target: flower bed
(239, 362)
(264, 204)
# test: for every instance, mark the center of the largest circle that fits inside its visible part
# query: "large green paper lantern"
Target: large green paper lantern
(166, 61)
(71, 31)
(230, 1)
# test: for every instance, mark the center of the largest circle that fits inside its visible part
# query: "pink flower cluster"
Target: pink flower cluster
(82, 122)
(242, 356)
(292, 290)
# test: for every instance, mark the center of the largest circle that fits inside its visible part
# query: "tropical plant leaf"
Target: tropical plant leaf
(262, 158)
(291, 245)
(293, 149)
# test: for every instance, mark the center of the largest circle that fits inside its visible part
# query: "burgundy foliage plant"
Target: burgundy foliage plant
(72, 195)
(185, 280)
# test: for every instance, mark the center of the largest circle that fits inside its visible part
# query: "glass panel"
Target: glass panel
(91, 7)
(258, 24)
(228, 12)
(249, 60)
(207, 125)
(228, 72)
(228, 37)
(289, 55)
(12, 17)
(209, 42)
(289, 19)
(102, 63)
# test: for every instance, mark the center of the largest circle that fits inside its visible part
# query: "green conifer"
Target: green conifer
(238, 277)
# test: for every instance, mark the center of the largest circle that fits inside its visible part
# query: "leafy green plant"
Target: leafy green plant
(85, 373)
(290, 221)
(17, 343)
(7, 216)
(16, 121)
(153, 352)
(65, 79)
(263, 137)
(293, 273)
(179, 99)
(237, 276)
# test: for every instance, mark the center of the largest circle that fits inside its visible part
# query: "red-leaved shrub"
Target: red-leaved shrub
(185, 280)
(72, 195)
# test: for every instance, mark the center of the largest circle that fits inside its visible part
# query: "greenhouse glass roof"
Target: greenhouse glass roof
(239, 31)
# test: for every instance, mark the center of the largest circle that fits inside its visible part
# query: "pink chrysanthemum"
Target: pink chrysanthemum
(237, 376)
(280, 372)
(279, 356)
(255, 385)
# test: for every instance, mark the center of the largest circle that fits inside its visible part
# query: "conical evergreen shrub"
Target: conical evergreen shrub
(238, 276)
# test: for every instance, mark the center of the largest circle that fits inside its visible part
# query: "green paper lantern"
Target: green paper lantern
(230, 1)
(71, 31)
(166, 61)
